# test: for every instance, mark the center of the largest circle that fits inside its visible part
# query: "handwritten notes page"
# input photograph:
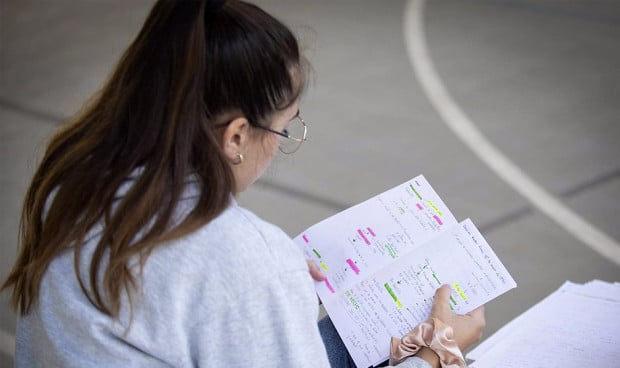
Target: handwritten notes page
(385, 257)
(575, 326)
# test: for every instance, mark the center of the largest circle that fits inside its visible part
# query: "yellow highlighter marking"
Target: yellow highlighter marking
(459, 291)
(432, 205)
(324, 266)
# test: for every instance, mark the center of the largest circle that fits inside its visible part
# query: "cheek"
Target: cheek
(267, 151)
(274, 143)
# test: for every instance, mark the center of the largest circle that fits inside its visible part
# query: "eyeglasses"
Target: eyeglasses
(291, 138)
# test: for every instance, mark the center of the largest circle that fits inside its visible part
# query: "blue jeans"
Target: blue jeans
(336, 351)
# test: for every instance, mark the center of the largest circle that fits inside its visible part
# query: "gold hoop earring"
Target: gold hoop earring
(239, 159)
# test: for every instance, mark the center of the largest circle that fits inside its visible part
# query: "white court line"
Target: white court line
(7, 343)
(465, 129)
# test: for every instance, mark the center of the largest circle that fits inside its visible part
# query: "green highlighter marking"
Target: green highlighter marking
(389, 290)
(452, 300)
(390, 250)
(436, 279)
(415, 191)
(316, 252)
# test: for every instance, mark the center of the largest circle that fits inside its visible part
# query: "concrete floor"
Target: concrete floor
(540, 78)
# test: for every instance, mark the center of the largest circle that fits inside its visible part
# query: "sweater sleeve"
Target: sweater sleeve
(272, 324)
(260, 307)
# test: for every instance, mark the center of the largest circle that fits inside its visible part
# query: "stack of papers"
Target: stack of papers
(575, 326)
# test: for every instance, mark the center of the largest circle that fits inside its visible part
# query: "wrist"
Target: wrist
(434, 335)
(429, 356)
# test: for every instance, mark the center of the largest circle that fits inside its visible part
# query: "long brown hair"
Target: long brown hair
(191, 62)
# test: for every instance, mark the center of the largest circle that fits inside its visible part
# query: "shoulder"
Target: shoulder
(236, 265)
(241, 229)
(233, 247)
(244, 226)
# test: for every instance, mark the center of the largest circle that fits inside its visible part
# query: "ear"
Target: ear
(235, 138)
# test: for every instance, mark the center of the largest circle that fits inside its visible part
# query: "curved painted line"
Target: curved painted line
(465, 129)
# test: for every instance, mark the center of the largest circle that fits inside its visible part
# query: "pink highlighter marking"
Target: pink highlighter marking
(438, 219)
(359, 231)
(419, 206)
(353, 266)
(371, 232)
(304, 238)
(329, 286)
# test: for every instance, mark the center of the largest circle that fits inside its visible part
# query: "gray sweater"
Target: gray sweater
(236, 293)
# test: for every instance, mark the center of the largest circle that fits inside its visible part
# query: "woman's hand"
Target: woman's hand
(315, 271)
(467, 327)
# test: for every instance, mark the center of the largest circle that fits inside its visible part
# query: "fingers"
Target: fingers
(467, 328)
(443, 292)
(441, 305)
(315, 271)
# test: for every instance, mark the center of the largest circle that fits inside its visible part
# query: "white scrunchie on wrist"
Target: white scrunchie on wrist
(432, 333)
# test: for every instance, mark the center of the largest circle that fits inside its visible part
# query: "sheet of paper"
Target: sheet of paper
(536, 313)
(601, 289)
(364, 238)
(395, 299)
(529, 317)
(575, 326)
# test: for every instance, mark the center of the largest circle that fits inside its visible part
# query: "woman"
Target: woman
(133, 249)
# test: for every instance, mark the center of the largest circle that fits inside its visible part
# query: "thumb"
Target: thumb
(441, 304)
